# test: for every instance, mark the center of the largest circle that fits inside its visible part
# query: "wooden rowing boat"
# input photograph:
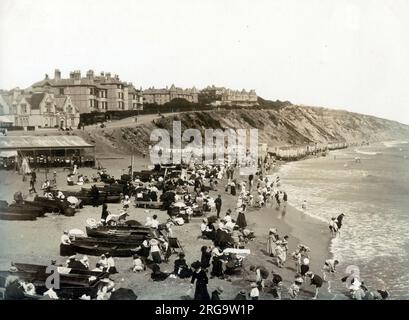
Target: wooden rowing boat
(97, 246)
(132, 233)
(10, 216)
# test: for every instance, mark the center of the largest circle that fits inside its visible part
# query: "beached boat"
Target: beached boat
(98, 246)
(137, 232)
(72, 286)
(17, 216)
(86, 199)
(28, 267)
(19, 212)
(55, 206)
(21, 208)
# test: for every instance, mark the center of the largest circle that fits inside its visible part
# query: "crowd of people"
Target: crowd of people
(188, 194)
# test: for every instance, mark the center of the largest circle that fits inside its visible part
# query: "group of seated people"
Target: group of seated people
(225, 232)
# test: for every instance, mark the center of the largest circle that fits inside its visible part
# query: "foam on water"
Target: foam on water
(374, 197)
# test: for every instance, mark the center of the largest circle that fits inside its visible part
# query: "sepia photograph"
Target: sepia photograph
(183, 151)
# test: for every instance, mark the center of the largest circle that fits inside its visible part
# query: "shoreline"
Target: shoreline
(37, 242)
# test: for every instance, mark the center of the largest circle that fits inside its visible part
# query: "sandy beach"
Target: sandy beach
(38, 241)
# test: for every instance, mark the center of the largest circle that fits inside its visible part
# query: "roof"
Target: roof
(95, 81)
(35, 100)
(42, 142)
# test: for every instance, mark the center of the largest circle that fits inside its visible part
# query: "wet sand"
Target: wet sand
(38, 241)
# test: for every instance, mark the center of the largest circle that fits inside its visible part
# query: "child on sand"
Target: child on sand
(333, 227)
(296, 255)
(281, 254)
(254, 293)
(329, 267)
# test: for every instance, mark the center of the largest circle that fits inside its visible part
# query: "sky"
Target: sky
(342, 54)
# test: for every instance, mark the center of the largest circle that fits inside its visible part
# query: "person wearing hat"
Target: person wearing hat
(271, 242)
(218, 203)
(144, 249)
(85, 262)
(281, 254)
(103, 262)
(227, 217)
(241, 218)
(54, 181)
(329, 267)
(13, 268)
(200, 277)
(261, 275)
(181, 268)
(276, 284)
(110, 263)
(316, 281)
(60, 195)
(65, 243)
(155, 251)
(138, 264)
(305, 266)
(104, 213)
(339, 221)
(158, 275)
(217, 270)
(126, 202)
(205, 257)
(241, 295)
(254, 292)
(216, 293)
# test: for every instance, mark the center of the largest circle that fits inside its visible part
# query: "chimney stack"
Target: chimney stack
(90, 74)
(57, 74)
(77, 75)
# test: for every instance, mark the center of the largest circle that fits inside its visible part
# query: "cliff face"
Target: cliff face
(291, 125)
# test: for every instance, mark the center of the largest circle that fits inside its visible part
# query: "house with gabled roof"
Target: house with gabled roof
(40, 109)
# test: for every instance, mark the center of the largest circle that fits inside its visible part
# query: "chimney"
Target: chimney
(90, 74)
(108, 74)
(57, 74)
(46, 76)
(72, 73)
(77, 75)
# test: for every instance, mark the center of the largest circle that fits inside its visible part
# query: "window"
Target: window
(24, 108)
(1, 109)
(61, 90)
(48, 107)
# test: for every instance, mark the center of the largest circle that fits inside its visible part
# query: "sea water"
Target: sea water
(373, 193)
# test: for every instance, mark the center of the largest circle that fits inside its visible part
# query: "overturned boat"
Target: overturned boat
(124, 232)
(16, 211)
(73, 283)
(117, 247)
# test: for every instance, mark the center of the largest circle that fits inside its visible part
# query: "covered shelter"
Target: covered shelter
(48, 151)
